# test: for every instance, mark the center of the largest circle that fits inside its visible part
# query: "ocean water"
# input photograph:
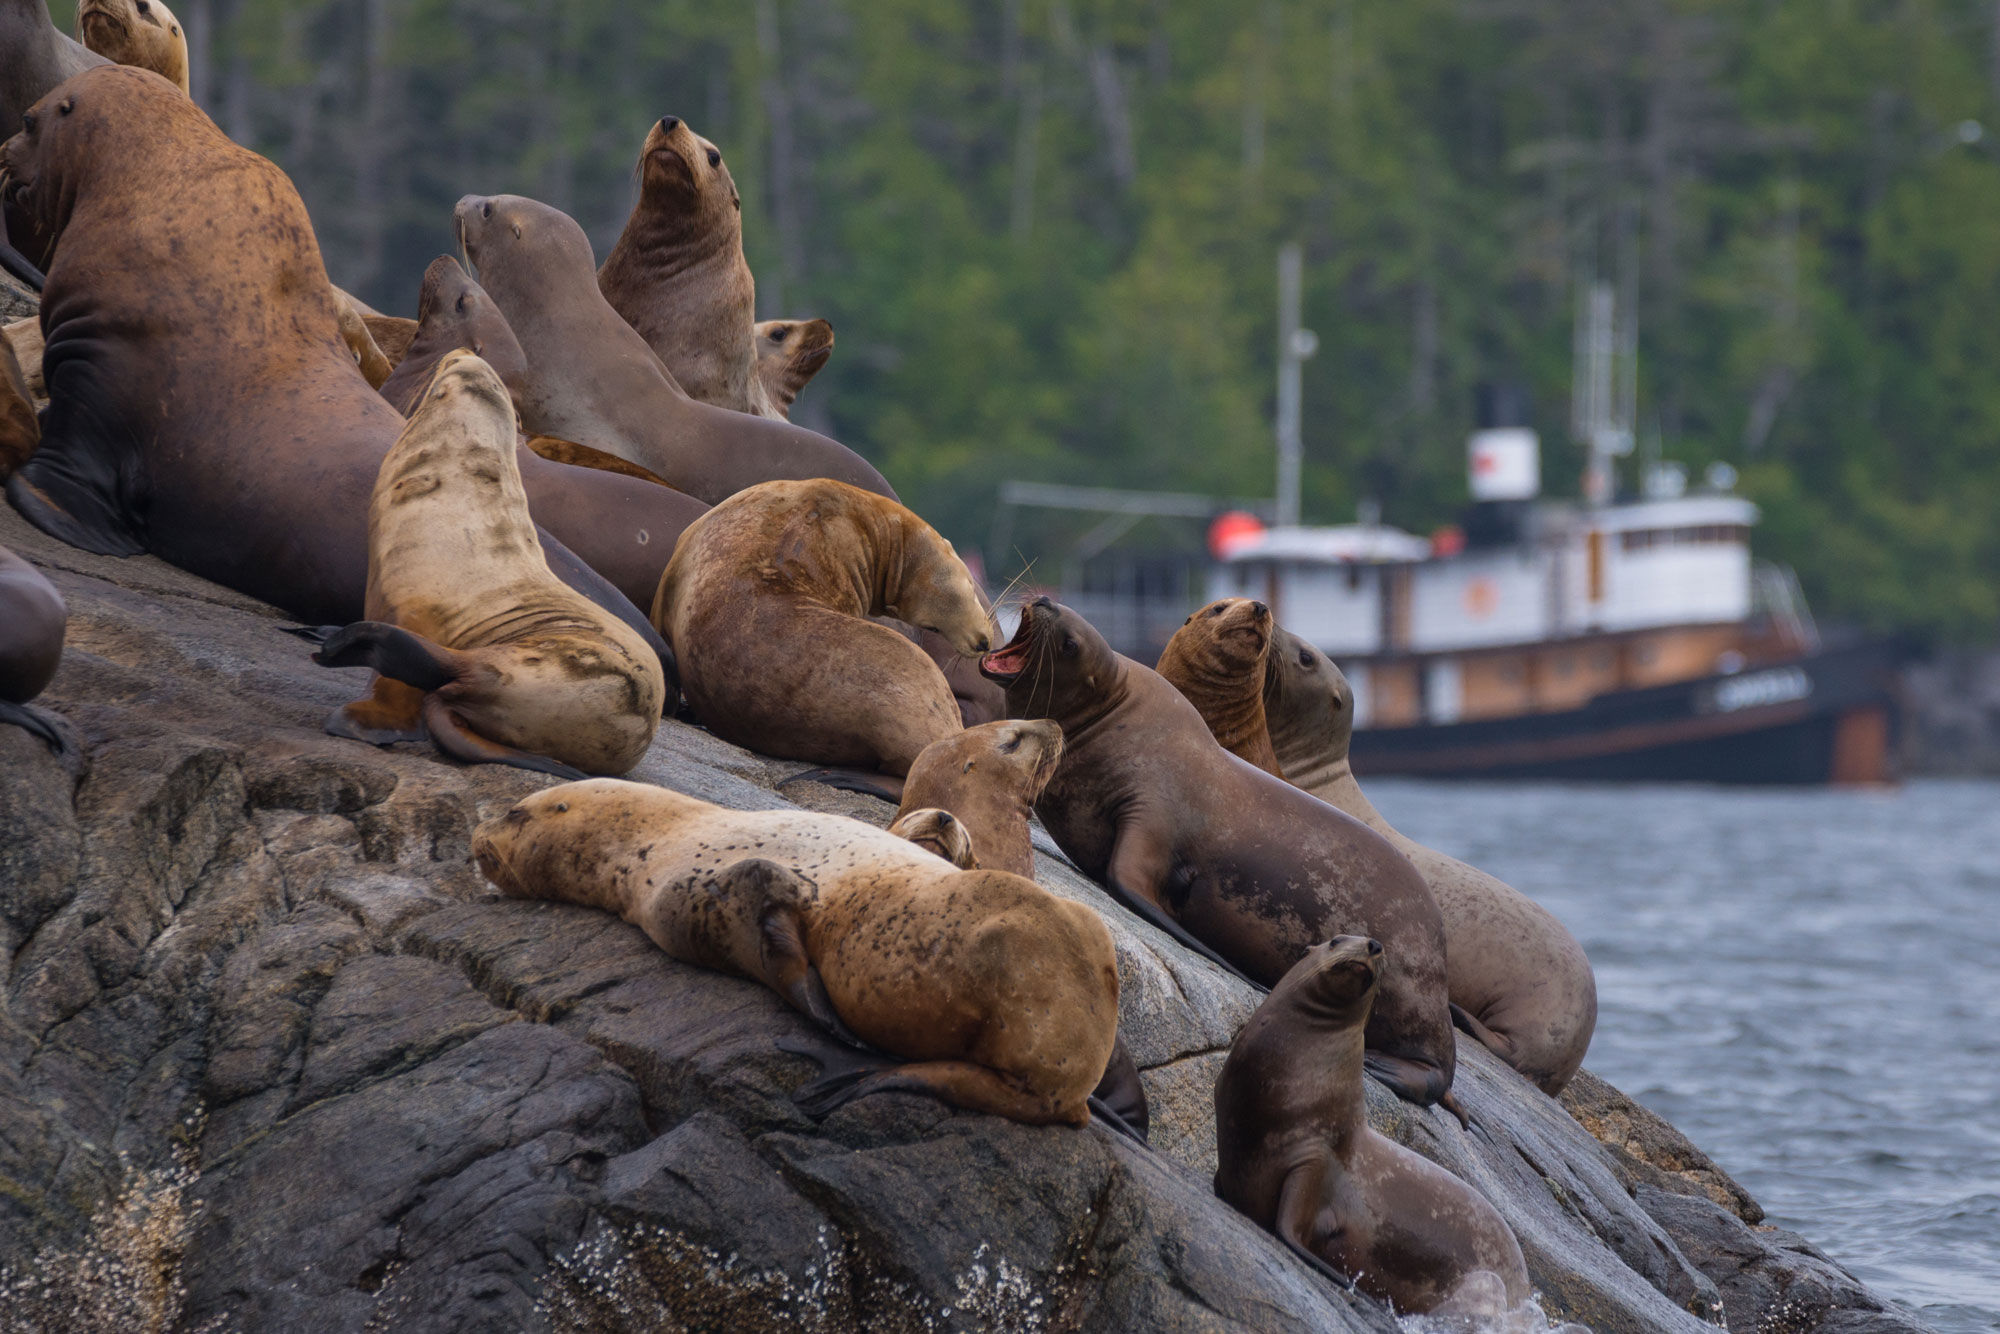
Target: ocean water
(1807, 983)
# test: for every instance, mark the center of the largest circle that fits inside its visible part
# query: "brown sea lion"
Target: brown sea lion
(1295, 1153)
(989, 777)
(766, 602)
(677, 274)
(476, 642)
(202, 405)
(1232, 862)
(20, 428)
(1216, 659)
(1000, 997)
(624, 530)
(593, 380)
(141, 33)
(1519, 981)
(33, 620)
(789, 354)
(392, 334)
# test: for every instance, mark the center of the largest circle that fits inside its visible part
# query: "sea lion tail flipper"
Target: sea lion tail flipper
(392, 651)
(1500, 1046)
(1121, 1093)
(886, 786)
(312, 634)
(1451, 1104)
(1105, 1112)
(460, 742)
(960, 1083)
(1412, 1080)
(28, 720)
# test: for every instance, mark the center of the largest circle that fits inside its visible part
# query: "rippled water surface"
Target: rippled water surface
(1805, 982)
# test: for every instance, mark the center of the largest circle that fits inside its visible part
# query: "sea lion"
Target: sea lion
(1216, 659)
(392, 334)
(454, 312)
(141, 33)
(33, 620)
(24, 340)
(38, 56)
(765, 602)
(1519, 981)
(1296, 1154)
(475, 640)
(677, 274)
(368, 359)
(1001, 997)
(592, 379)
(202, 405)
(1232, 862)
(789, 354)
(989, 777)
(938, 832)
(20, 427)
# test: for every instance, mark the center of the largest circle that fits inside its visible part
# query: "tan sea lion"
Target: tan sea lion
(1296, 1154)
(141, 33)
(1519, 980)
(789, 354)
(623, 530)
(20, 428)
(392, 335)
(202, 405)
(938, 832)
(475, 640)
(592, 379)
(33, 621)
(1216, 659)
(1232, 862)
(765, 602)
(1000, 997)
(24, 339)
(368, 358)
(677, 274)
(989, 777)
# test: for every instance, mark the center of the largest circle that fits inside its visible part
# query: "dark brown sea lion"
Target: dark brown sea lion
(1520, 982)
(33, 620)
(789, 354)
(1001, 997)
(1216, 659)
(766, 602)
(593, 380)
(476, 642)
(20, 428)
(1231, 861)
(623, 530)
(141, 33)
(989, 777)
(202, 405)
(1295, 1153)
(677, 274)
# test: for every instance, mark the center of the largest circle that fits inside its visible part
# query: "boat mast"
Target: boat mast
(1295, 347)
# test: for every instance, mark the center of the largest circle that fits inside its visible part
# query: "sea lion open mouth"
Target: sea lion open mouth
(1006, 664)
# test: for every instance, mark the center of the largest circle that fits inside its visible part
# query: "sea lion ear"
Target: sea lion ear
(67, 105)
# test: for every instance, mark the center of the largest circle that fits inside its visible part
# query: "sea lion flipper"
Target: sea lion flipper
(1303, 1203)
(789, 972)
(1122, 1094)
(960, 1083)
(19, 265)
(1412, 1080)
(27, 719)
(886, 786)
(394, 652)
(390, 712)
(1105, 1112)
(1500, 1046)
(460, 742)
(74, 486)
(1134, 862)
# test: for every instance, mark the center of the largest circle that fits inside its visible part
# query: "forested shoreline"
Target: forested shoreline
(1045, 231)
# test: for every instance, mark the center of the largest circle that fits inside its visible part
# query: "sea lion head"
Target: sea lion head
(1225, 640)
(1307, 700)
(81, 132)
(1017, 755)
(143, 33)
(1335, 982)
(938, 831)
(933, 590)
(562, 824)
(789, 354)
(684, 186)
(1056, 666)
(455, 312)
(511, 236)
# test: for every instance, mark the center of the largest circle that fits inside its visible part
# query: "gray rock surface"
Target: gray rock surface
(273, 1058)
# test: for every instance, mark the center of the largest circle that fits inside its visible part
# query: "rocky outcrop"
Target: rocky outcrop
(273, 1057)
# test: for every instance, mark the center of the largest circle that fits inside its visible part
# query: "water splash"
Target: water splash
(1479, 1306)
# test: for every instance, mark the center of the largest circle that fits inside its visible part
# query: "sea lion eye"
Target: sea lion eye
(28, 122)
(1069, 646)
(778, 334)
(1009, 747)
(1305, 657)
(486, 209)
(561, 807)
(461, 301)
(714, 158)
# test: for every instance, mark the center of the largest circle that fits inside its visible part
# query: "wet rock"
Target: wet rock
(273, 1057)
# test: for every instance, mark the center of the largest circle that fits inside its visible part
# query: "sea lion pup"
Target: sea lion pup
(1295, 1152)
(1216, 659)
(677, 274)
(33, 620)
(1519, 981)
(141, 33)
(989, 777)
(789, 354)
(766, 600)
(201, 403)
(594, 380)
(474, 639)
(1235, 864)
(623, 530)
(20, 427)
(1001, 997)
